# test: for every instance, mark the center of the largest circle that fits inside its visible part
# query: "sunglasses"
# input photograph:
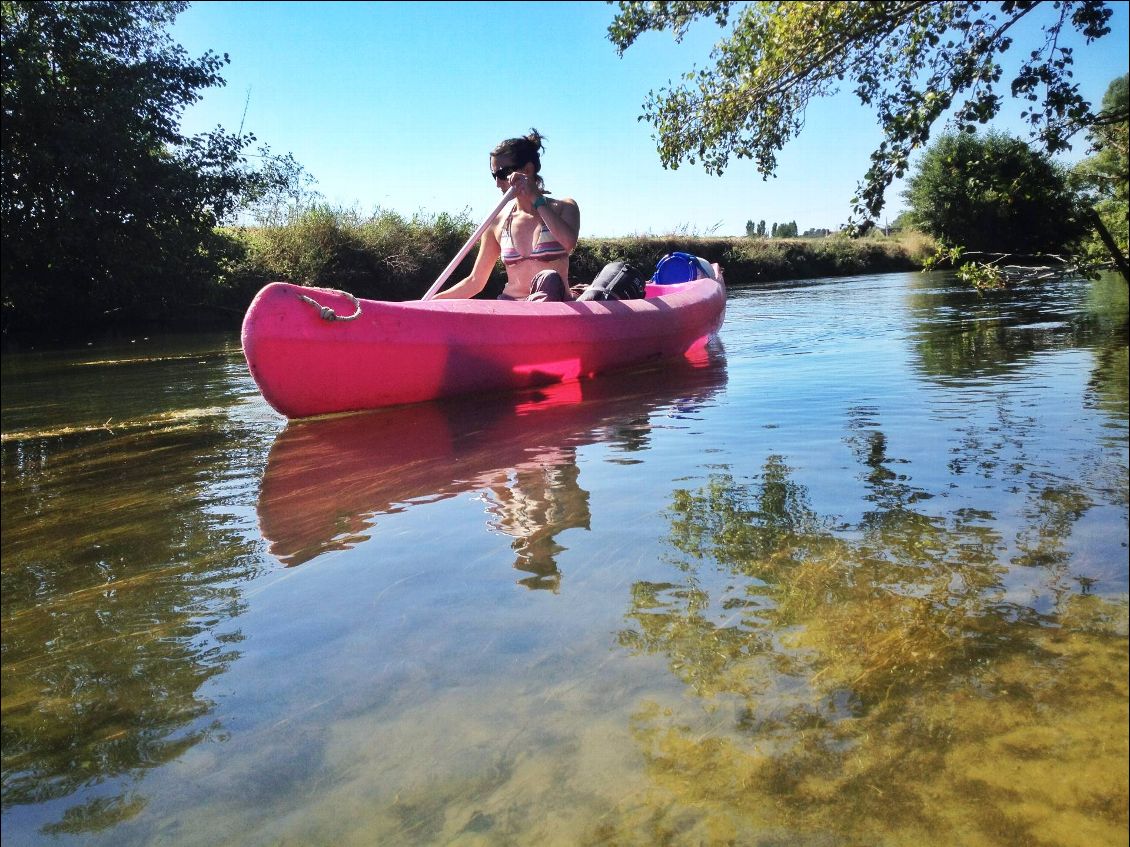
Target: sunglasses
(505, 171)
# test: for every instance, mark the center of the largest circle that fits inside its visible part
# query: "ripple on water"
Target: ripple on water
(857, 576)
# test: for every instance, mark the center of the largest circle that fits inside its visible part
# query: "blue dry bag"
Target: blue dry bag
(681, 267)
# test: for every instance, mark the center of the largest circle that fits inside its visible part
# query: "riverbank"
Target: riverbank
(386, 256)
(389, 258)
(750, 261)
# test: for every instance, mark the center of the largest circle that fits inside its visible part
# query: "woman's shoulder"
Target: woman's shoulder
(560, 204)
(504, 214)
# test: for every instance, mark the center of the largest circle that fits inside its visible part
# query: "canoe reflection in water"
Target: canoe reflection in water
(327, 480)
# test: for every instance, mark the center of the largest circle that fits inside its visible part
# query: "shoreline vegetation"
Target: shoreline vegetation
(387, 256)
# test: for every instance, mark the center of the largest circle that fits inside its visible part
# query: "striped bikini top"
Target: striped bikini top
(546, 248)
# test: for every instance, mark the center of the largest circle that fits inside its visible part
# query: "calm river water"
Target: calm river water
(856, 577)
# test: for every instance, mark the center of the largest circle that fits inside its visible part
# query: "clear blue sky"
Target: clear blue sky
(396, 105)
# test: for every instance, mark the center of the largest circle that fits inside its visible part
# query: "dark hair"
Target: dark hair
(524, 150)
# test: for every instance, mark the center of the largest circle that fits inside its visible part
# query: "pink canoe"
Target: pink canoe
(377, 354)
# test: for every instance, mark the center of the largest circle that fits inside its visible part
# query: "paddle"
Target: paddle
(450, 269)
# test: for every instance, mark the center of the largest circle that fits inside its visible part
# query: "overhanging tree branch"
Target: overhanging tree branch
(753, 100)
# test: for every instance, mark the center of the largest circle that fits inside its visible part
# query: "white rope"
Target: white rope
(329, 314)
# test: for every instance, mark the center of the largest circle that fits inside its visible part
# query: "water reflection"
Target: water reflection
(962, 333)
(328, 481)
(533, 504)
(887, 604)
(878, 679)
(120, 571)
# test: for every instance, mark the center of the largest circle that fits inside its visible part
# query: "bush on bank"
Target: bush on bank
(750, 261)
(382, 256)
(386, 256)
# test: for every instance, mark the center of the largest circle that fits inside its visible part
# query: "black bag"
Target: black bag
(616, 281)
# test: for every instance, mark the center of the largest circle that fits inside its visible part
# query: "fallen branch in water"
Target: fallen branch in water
(992, 272)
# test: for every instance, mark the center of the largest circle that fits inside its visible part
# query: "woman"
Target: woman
(533, 234)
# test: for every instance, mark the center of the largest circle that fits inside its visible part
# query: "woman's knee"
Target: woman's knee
(549, 286)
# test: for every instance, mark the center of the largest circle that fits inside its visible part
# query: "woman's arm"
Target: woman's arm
(563, 217)
(469, 286)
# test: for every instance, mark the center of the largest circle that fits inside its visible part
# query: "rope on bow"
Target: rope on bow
(329, 314)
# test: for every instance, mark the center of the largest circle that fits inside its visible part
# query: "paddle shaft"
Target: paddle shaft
(450, 269)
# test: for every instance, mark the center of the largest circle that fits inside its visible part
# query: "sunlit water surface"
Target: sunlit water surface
(858, 576)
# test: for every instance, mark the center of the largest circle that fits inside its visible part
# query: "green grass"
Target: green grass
(383, 255)
(750, 261)
(389, 257)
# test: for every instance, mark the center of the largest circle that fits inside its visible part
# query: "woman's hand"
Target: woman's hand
(527, 188)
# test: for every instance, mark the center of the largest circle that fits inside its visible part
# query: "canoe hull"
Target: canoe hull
(397, 353)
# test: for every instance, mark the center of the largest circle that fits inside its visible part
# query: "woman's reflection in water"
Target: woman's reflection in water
(532, 504)
(327, 482)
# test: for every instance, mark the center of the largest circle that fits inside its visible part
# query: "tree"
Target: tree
(904, 221)
(107, 207)
(993, 194)
(750, 229)
(912, 62)
(761, 228)
(1103, 179)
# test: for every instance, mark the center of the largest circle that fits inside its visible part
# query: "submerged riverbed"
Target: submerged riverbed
(856, 575)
